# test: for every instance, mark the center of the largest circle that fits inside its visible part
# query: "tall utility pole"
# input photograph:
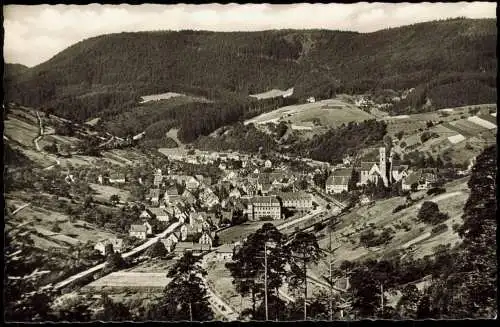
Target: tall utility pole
(305, 290)
(265, 278)
(382, 297)
(331, 292)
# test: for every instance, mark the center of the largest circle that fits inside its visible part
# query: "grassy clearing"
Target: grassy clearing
(274, 93)
(104, 192)
(22, 132)
(331, 112)
(125, 279)
(153, 266)
(43, 220)
(239, 232)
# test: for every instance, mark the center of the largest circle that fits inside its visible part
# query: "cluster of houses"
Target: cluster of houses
(385, 170)
(195, 202)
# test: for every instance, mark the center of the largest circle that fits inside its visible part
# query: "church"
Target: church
(384, 170)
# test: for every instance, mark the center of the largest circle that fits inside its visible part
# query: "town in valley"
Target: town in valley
(199, 198)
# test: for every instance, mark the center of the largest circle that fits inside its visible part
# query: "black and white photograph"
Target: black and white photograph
(250, 162)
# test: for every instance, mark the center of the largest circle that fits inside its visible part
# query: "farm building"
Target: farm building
(195, 248)
(224, 252)
(423, 178)
(117, 244)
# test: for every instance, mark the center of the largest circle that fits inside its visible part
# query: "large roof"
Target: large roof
(338, 180)
(294, 196)
(172, 191)
(157, 211)
(265, 200)
(342, 172)
(366, 165)
(138, 228)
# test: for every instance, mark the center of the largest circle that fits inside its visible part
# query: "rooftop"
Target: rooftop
(138, 228)
(265, 200)
(342, 172)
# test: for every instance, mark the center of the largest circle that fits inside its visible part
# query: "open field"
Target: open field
(104, 192)
(42, 220)
(153, 266)
(239, 232)
(133, 280)
(379, 216)
(162, 96)
(330, 113)
(274, 93)
(20, 131)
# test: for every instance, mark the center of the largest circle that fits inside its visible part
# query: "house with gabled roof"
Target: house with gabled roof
(195, 248)
(159, 214)
(146, 214)
(235, 193)
(338, 181)
(192, 184)
(170, 241)
(138, 231)
(206, 239)
(208, 198)
(117, 244)
(188, 197)
(171, 195)
(398, 172)
(224, 253)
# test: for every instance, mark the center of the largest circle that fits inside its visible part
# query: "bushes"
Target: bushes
(429, 213)
(427, 136)
(56, 228)
(369, 238)
(436, 191)
(399, 208)
(439, 229)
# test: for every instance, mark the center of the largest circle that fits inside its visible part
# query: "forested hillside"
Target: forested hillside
(450, 62)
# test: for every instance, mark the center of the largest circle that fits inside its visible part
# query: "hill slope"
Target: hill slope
(111, 72)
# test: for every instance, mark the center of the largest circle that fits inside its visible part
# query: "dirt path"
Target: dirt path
(41, 134)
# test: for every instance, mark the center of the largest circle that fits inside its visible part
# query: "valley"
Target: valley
(276, 175)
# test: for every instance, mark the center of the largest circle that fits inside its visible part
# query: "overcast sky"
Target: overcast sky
(33, 34)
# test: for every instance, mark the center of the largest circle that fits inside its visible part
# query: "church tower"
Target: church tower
(382, 165)
(391, 154)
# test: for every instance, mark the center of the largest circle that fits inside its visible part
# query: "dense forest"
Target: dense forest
(347, 139)
(108, 74)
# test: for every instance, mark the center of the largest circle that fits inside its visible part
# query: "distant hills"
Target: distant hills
(450, 62)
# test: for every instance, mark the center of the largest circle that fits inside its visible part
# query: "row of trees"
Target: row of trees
(266, 255)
